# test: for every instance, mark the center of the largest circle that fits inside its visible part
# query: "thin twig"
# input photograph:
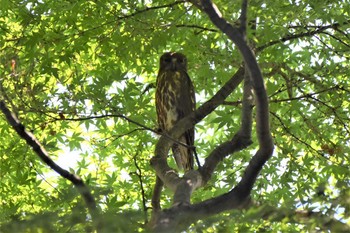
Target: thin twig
(127, 119)
(300, 35)
(143, 195)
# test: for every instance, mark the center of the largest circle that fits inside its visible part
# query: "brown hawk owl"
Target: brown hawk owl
(175, 99)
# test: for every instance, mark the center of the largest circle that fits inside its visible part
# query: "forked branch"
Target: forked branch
(180, 216)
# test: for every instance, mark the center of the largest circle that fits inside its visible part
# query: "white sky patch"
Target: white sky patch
(281, 169)
(68, 159)
(117, 85)
(125, 175)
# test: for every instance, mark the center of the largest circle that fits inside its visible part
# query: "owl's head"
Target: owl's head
(172, 61)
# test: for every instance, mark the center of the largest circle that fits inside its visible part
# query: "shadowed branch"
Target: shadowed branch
(43, 155)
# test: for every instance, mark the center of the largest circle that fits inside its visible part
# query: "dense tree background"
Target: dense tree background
(80, 76)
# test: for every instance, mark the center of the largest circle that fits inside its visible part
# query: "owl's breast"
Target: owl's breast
(171, 118)
(167, 106)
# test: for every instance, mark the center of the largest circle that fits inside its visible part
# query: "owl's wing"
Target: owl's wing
(186, 104)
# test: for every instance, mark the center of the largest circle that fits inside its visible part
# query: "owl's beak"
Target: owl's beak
(173, 63)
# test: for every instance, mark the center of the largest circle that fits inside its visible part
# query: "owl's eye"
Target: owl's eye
(167, 59)
(181, 60)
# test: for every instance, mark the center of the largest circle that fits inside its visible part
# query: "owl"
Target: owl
(175, 99)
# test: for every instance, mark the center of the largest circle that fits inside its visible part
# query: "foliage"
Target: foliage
(71, 69)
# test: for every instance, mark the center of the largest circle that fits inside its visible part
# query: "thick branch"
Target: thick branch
(42, 153)
(243, 17)
(263, 125)
(183, 187)
(240, 141)
(157, 190)
(247, 108)
(178, 218)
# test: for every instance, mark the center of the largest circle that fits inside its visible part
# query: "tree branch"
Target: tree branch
(157, 190)
(43, 155)
(240, 141)
(302, 34)
(237, 143)
(138, 173)
(243, 17)
(263, 126)
(275, 214)
(200, 28)
(128, 119)
(136, 12)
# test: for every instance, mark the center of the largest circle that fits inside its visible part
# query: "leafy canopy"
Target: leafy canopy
(70, 69)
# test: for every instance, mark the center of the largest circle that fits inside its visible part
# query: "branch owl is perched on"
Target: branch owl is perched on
(175, 99)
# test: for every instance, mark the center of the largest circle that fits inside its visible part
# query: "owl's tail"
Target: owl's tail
(183, 155)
